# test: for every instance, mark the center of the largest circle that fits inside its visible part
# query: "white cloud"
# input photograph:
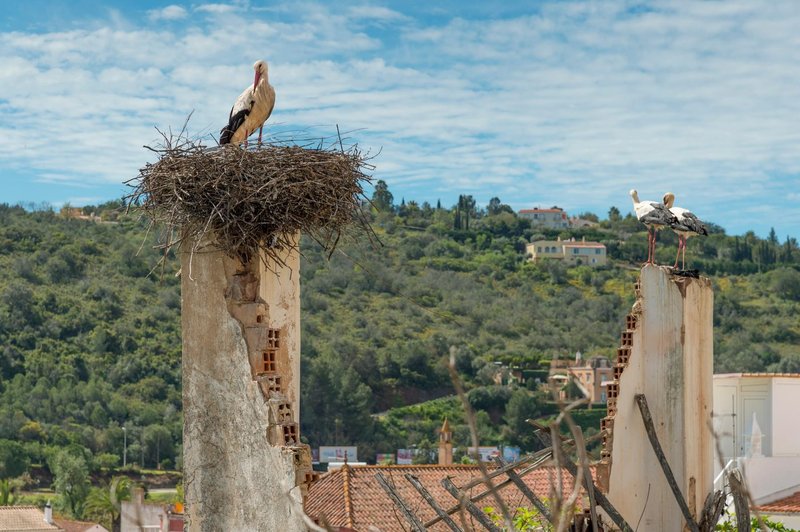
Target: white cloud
(171, 12)
(569, 106)
(216, 9)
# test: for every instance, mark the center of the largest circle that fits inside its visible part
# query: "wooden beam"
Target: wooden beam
(521, 486)
(432, 502)
(604, 503)
(412, 519)
(712, 511)
(464, 501)
(486, 493)
(649, 427)
(740, 505)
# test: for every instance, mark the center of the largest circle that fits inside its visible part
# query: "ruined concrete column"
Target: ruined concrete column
(667, 355)
(244, 467)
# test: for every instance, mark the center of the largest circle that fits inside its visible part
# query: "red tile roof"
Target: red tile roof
(787, 505)
(352, 497)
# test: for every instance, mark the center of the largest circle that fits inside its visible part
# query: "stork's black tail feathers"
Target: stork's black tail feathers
(225, 135)
(660, 215)
(235, 122)
(691, 223)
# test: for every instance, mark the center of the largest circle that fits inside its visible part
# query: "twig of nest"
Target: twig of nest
(252, 199)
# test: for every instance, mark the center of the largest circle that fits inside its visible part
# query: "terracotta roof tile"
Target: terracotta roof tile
(24, 518)
(787, 505)
(365, 503)
(328, 497)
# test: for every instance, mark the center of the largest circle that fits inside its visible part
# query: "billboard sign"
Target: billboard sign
(333, 453)
(485, 454)
(405, 456)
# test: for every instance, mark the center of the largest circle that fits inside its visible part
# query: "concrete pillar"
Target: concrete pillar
(666, 354)
(244, 467)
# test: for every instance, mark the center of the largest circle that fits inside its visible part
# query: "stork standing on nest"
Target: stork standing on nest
(251, 110)
(655, 216)
(686, 225)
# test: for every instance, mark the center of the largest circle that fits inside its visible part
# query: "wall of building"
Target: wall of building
(785, 428)
(775, 473)
(670, 362)
(571, 251)
(234, 479)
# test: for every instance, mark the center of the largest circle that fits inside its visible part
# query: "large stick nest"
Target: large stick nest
(251, 199)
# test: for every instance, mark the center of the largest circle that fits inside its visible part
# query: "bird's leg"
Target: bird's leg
(683, 255)
(259, 134)
(246, 134)
(653, 248)
(678, 254)
(649, 241)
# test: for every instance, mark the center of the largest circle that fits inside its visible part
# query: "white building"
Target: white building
(554, 218)
(570, 251)
(757, 422)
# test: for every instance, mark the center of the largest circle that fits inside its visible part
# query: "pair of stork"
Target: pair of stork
(657, 216)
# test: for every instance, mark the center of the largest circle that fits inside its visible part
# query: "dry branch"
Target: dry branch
(251, 199)
(649, 427)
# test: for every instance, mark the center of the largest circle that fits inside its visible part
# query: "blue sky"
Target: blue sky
(547, 103)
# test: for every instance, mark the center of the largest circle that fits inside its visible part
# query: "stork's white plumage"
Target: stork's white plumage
(252, 108)
(655, 216)
(686, 224)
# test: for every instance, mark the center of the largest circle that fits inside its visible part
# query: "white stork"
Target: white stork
(251, 110)
(686, 225)
(655, 216)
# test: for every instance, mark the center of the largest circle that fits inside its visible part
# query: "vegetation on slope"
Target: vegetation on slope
(89, 343)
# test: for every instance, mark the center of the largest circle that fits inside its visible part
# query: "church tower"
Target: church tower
(445, 444)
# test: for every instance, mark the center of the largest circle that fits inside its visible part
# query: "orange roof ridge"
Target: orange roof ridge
(348, 502)
(413, 466)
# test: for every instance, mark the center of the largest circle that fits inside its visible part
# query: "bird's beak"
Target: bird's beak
(257, 78)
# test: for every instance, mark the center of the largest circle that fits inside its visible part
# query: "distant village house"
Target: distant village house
(571, 251)
(591, 376)
(553, 218)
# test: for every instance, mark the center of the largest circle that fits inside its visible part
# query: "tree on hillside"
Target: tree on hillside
(464, 211)
(786, 283)
(522, 406)
(773, 236)
(13, 459)
(382, 199)
(158, 446)
(496, 207)
(71, 483)
(13, 463)
(613, 215)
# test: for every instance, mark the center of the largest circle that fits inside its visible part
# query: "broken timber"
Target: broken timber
(647, 418)
(412, 519)
(476, 512)
(432, 502)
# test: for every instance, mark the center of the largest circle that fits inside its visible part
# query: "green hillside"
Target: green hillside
(89, 342)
